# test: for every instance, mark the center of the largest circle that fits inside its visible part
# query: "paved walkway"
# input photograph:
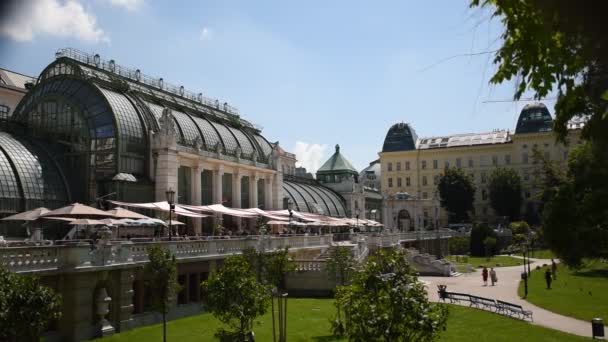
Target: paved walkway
(506, 290)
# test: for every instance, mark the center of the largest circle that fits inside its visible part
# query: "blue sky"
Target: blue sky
(312, 73)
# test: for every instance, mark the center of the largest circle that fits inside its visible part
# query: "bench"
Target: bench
(482, 302)
(511, 309)
(458, 297)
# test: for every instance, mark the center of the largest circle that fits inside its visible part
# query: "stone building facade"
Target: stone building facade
(411, 166)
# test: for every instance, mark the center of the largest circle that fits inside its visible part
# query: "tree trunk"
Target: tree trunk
(164, 321)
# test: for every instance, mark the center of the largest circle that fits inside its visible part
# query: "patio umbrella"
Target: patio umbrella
(77, 210)
(85, 222)
(125, 213)
(174, 223)
(151, 221)
(30, 215)
(112, 221)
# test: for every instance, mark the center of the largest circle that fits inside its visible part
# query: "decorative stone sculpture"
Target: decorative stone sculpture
(168, 132)
(198, 144)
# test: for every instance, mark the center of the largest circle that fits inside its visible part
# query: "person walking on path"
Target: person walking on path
(484, 275)
(548, 278)
(553, 269)
(493, 276)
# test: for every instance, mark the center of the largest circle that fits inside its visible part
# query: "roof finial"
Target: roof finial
(337, 148)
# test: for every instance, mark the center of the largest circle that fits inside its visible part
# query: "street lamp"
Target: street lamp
(290, 209)
(524, 275)
(171, 200)
(357, 212)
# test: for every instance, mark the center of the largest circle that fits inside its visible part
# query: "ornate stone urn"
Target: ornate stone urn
(103, 308)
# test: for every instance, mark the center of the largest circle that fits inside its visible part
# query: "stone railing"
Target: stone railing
(392, 239)
(119, 253)
(310, 265)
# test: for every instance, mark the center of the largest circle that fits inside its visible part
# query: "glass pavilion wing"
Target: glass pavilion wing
(188, 127)
(332, 206)
(264, 145)
(78, 102)
(296, 197)
(39, 177)
(230, 142)
(310, 201)
(128, 120)
(210, 135)
(9, 188)
(341, 210)
(323, 203)
(246, 146)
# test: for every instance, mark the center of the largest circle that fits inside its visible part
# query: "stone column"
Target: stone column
(217, 188)
(166, 173)
(253, 190)
(196, 196)
(236, 194)
(268, 192)
(277, 188)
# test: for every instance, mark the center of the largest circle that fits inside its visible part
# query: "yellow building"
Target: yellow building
(412, 166)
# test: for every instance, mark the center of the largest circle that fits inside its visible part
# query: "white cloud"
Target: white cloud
(51, 17)
(205, 34)
(310, 156)
(130, 5)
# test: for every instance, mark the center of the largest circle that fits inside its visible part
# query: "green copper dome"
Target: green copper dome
(337, 163)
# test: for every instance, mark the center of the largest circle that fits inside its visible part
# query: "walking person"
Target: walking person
(484, 275)
(493, 276)
(548, 278)
(553, 269)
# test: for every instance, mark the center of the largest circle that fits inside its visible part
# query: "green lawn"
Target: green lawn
(581, 294)
(308, 320)
(494, 261)
(541, 254)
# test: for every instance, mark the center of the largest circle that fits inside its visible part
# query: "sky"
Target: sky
(312, 73)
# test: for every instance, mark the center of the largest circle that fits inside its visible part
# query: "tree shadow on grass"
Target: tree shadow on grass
(327, 338)
(592, 274)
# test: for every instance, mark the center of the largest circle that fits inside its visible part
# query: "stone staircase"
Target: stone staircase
(429, 265)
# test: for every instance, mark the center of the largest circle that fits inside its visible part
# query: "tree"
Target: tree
(277, 265)
(562, 46)
(161, 278)
(26, 307)
(386, 302)
(235, 297)
(457, 193)
(489, 244)
(520, 227)
(479, 233)
(460, 245)
(340, 265)
(504, 189)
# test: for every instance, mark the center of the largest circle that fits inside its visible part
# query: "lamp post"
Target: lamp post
(290, 209)
(524, 275)
(170, 199)
(357, 212)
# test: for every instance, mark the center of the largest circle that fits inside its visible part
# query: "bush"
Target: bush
(460, 245)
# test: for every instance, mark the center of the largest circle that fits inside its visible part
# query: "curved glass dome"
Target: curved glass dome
(29, 178)
(314, 198)
(534, 118)
(400, 137)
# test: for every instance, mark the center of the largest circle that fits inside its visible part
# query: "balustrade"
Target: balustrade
(79, 256)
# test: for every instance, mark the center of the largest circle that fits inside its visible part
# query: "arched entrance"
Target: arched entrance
(404, 221)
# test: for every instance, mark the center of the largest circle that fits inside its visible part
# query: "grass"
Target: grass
(494, 261)
(576, 293)
(308, 320)
(541, 254)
